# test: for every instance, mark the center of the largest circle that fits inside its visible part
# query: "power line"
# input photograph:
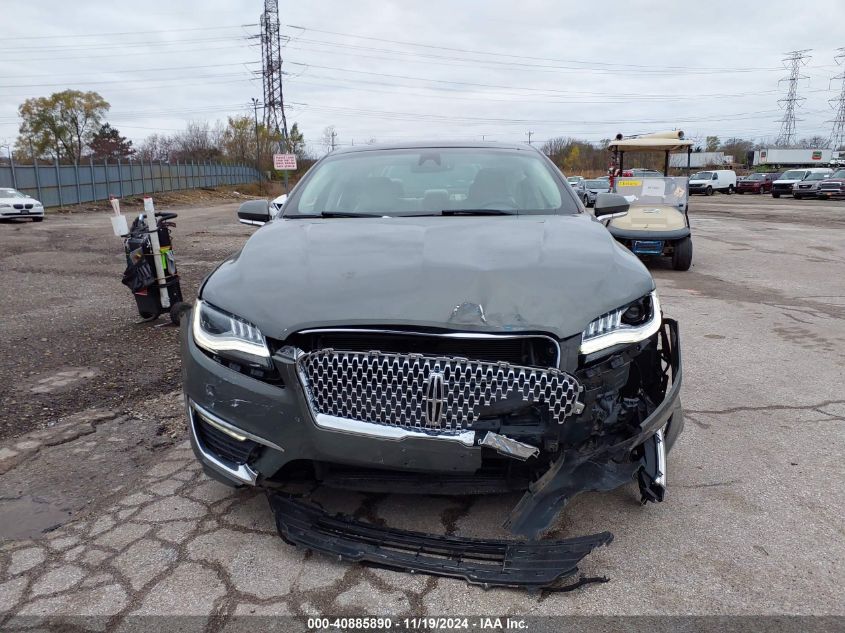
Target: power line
(795, 61)
(547, 59)
(450, 60)
(837, 134)
(128, 71)
(120, 34)
(149, 52)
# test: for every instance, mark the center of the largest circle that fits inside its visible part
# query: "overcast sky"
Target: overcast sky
(475, 69)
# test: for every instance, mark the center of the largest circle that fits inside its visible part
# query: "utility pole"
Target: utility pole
(334, 136)
(255, 103)
(530, 133)
(837, 134)
(794, 61)
(271, 71)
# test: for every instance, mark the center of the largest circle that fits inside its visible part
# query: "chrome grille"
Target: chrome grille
(397, 389)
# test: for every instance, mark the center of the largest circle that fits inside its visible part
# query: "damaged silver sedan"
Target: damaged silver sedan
(438, 319)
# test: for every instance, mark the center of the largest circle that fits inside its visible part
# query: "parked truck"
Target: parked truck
(793, 157)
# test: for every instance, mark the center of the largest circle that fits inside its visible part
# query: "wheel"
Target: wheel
(177, 310)
(795, 196)
(38, 219)
(775, 195)
(708, 191)
(740, 192)
(730, 189)
(762, 191)
(682, 255)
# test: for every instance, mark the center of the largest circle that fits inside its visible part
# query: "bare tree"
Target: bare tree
(156, 147)
(329, 137)
(198, 141)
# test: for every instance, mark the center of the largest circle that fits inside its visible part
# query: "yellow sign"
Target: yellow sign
(628, 183)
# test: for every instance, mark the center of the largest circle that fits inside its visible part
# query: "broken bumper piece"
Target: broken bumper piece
(537, 565)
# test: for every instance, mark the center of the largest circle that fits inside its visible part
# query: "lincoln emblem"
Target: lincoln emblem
(434, 399)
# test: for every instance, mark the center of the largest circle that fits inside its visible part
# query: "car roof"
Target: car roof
(435, 145)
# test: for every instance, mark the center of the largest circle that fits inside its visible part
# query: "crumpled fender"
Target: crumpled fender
(602, 469)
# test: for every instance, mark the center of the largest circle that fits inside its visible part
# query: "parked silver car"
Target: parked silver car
(809, 187)
(594, 188)
(577, 183)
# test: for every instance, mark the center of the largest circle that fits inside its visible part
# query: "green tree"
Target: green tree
(239, 139)
(61, 125)
(239, 142)
(296, 142)
(107, 143)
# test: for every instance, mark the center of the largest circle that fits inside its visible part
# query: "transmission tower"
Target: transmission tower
(794, 61)
(837, 134)
(271, 70)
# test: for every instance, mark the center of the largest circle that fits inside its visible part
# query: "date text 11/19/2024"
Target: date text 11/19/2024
(431, 623)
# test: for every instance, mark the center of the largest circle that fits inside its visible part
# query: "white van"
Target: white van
(707, 182)
(783, 185)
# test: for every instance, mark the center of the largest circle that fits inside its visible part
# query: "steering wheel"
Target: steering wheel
(510, 202)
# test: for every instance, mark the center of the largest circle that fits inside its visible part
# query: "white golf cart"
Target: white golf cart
(657, 223)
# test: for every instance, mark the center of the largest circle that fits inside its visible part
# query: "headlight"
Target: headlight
(3, 205)
(227, 335)
(631, 323)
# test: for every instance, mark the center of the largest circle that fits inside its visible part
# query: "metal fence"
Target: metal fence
(59, 185)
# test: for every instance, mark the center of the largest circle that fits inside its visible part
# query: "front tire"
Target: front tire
(682, 255)
(730, 189)
(708, 191)
(37, 219)
(775, 195)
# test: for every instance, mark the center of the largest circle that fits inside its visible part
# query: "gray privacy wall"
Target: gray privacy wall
(57, 185)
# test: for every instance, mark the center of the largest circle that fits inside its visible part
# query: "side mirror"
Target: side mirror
(254, 212)
(610, 205)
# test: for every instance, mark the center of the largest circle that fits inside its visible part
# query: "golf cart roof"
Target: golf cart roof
(658, 142)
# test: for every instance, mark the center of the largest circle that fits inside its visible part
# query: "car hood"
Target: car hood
(19, 201)
(488, 274)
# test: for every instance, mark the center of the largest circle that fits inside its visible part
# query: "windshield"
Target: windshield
(574, 180)
(597, 184)
(702, 175)
(756, 177)
(11, 193)
(817, 177)
(430, 181)
(839, 174)
(793, 174)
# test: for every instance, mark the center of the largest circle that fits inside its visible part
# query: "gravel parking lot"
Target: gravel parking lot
(103, 510)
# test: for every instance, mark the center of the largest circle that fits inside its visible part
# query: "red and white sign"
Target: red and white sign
(284, 161)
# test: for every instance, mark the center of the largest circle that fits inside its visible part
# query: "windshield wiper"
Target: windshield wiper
(477, 212)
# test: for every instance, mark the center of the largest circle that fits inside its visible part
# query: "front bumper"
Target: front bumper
(21, 213)
(280, 416)
(274, 426)
(831, 193)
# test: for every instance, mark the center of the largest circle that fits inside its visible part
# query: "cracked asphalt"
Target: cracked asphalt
(103, 510)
